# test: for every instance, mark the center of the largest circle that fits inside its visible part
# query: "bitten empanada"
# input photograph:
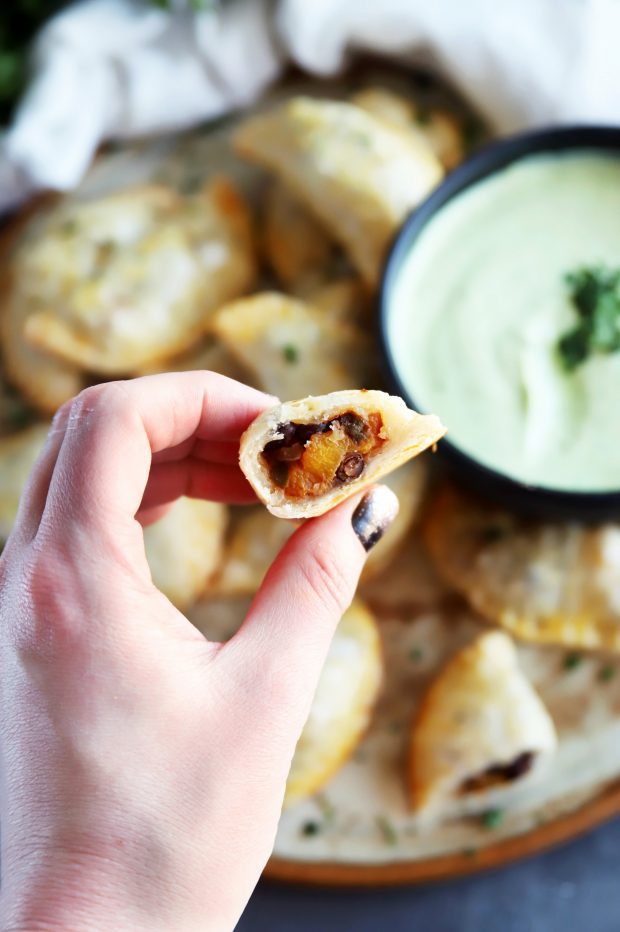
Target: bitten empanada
(303, 457)
(115, 284)
(438, 128)
(18, 453)
(480, 730)
(550, 583)
(292, 348)
(359, 175)
(184, 547)
(342, 704)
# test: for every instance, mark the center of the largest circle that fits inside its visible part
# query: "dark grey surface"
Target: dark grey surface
(572, 889)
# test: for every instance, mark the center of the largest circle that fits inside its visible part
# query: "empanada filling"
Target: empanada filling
(307, 460)
(497, 774)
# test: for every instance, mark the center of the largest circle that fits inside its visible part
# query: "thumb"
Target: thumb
(288, 630)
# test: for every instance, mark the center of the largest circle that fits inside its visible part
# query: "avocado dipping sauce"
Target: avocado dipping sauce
(479, 308)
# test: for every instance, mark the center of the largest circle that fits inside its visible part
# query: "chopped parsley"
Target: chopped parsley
(389, 833)
(493, 818)
(309, 829)
(595, 294)
(416, 654)
(290, 353)
(572, 661)
(607, 673)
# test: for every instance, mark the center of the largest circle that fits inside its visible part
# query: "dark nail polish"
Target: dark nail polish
(373, 515)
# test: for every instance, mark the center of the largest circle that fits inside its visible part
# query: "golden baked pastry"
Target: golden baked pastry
(184, 547)
(480, 730)
(116, 284)
(342, 704)
(292, 348)
(360, 176)
(551, 583)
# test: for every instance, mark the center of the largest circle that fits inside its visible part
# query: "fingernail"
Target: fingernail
(373, 515)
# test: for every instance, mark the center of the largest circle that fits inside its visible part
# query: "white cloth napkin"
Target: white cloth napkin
(121, 68)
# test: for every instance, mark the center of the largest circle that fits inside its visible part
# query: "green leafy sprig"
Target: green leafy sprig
(595, 293)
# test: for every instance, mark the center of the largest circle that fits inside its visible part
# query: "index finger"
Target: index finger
(113, 431)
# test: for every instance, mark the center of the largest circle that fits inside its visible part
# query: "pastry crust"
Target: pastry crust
(257, 537)
(360, 176)
(405, 434)
(481, 729)
(342, 704)
(292, 348)
(295, 244)
(18, 454)
(439, 129)
(184, 547)
(43, 380)
(548, 583)
(117, 284)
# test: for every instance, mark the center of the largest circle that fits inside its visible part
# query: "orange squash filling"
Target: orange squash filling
(306, 460)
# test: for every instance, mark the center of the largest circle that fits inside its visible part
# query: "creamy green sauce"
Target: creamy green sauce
(480, 304)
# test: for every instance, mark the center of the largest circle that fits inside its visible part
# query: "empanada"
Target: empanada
(209, 355)
(359, 175)
(116, 284)
(184, 547)
(18, 453)
(481, 728)
(303, 457)
(342, 299)
(409, 484)
(295, 244)
(549, 583)
(256, 540)
(292, 348)
(342, 704)
(439, 129)
(45, 381)
(257, 537)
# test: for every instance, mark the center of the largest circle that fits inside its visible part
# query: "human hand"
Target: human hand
(142, 766)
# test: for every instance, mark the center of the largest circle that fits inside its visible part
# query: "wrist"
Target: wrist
(86, 886)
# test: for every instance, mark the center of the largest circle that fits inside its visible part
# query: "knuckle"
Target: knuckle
(323, 572)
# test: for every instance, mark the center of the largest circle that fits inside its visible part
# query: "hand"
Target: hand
(143, 767)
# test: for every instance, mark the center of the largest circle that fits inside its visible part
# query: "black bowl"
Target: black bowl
(529, 500)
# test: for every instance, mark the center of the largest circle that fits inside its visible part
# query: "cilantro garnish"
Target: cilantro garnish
(595, 293)
(290, 353)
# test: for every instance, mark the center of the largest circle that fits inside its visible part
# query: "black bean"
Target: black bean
(351, 467)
